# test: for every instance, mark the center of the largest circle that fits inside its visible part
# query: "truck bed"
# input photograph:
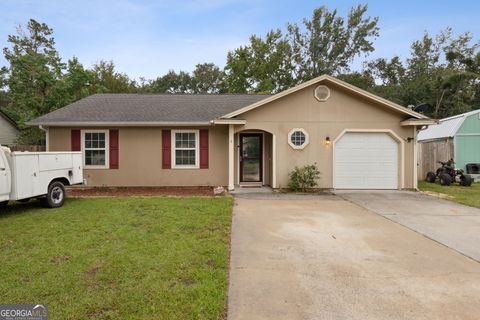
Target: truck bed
(32, 172)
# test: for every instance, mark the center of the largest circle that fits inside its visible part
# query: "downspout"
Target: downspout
(47, 138)
(415, 159)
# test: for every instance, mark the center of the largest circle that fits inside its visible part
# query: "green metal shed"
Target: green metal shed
(461, 131)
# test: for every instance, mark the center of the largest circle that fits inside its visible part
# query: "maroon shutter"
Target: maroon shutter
(75, 140)
(204, 149)
(166, 149)
(113, 136)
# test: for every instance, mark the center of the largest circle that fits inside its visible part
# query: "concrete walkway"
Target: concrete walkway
(452, 224)
(322, 257)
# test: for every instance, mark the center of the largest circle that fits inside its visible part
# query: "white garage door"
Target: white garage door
(366, 161)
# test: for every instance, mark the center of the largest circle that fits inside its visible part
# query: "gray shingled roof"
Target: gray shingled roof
(149, 108)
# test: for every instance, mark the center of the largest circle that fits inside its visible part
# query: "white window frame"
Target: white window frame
(197, 150)
(107, 149)
(307, 139)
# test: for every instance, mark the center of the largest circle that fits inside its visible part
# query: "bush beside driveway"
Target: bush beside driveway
(118, 258)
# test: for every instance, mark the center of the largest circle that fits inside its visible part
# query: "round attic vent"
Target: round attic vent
(322, 93)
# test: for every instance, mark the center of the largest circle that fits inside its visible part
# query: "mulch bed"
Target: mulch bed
(76, 192)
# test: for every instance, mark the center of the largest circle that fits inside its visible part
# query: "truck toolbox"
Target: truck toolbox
(30, 174)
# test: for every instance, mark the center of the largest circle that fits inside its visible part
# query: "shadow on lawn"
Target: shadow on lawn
(31, 207)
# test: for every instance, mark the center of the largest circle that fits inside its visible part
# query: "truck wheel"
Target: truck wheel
(430, 177)
(56, 195)
(466, 180)
(445, 179)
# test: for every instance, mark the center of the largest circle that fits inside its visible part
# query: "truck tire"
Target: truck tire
(466, 180)
(56, 195)
(431, 176)
(445, 179)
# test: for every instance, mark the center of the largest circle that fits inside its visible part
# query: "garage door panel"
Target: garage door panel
(366, 161)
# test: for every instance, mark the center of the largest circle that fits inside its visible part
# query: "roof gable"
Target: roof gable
(326, 78)
(9, 120)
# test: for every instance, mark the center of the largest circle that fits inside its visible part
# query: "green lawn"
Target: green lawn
(465, 195)
(118, 258)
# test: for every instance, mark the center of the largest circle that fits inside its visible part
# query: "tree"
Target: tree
(362, 80)
(34, 69)
(326, 44)
(442, 71)
(77, 82)
(329, 43)
(265, 65)
(171, 83)
(107, 80)
(208, 78)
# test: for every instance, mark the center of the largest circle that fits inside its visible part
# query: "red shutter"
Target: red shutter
(75, 140)
(166, 149)
(204, 149)
(114, 159)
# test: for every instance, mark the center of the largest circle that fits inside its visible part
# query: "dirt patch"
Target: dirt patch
(92, 272)
(437, 194)
(138, 191)
(60, 259)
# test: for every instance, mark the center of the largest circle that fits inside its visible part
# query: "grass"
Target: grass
(469, 196)
(122, 258)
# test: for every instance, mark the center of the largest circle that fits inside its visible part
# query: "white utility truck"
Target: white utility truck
(42, 175)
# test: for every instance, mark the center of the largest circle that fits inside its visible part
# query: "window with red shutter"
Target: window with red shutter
(114, 149)
(75, 140)
(204, 149)
(166, 149)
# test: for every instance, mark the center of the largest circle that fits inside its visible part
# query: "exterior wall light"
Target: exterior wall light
(327, 141)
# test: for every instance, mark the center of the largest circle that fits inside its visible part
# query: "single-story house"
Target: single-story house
(8, 130)
(456, 137)
(358, 140)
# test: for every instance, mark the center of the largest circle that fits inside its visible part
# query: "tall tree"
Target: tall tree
(329, 43)
(34, 68)
(326, 43)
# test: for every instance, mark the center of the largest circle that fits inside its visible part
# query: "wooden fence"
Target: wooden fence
(31, 148)
(432, 151)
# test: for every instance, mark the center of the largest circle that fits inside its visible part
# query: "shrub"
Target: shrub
(304, 178)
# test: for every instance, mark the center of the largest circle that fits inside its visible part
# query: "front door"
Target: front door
(251, 157)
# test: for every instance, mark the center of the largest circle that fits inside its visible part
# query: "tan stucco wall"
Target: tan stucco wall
(140, 153)
(323, 119)
(140, 148)
(8, 132)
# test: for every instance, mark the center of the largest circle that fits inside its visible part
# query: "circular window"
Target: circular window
(298, 138)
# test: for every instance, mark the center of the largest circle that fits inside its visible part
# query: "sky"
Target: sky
(146, 38)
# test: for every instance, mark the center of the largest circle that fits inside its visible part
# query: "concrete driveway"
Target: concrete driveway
(452, 224)
(323, 257)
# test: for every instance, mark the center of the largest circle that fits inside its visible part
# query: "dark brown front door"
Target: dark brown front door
(251, 157)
